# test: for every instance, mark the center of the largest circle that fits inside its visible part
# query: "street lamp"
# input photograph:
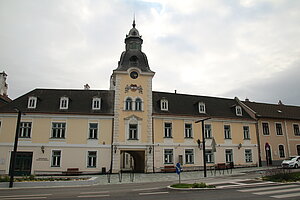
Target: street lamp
(14, 153)
(203, 142)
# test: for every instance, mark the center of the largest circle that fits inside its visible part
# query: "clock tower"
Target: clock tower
(132, 126)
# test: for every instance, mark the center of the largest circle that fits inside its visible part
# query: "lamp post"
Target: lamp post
(203, 143)
(14, 153)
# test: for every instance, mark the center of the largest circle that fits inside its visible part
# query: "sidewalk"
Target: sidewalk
(195, 176)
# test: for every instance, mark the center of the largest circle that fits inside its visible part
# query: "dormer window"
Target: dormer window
(201, 107)
(32, 102)
(164, 105)
(238, 111)
(96, 103)
(64, 103)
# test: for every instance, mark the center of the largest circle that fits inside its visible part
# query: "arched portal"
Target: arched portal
(133, 160)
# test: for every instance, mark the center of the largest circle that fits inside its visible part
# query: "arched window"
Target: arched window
(281, 151)
(138, 104)
(128, 104)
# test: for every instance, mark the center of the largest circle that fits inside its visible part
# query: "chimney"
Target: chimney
(175, 91)
(86, 87)
(280, 102)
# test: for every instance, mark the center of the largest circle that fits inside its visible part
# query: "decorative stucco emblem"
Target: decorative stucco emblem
(133, 88)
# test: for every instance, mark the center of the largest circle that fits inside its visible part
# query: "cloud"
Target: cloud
(197, 47)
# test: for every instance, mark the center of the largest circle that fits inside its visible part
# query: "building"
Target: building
(277, 128)
(128, 127)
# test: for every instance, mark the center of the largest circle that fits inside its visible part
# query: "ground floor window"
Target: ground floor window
(168, 155)
(298, 150)
(92, 159)
(228, 155)
(189, 156)
(281, 151)
(248, 155)
(56, 158)
(209, 156)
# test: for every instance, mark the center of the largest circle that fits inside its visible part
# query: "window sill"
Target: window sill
(132, 139)
(92, 138)
(247, 139)
(168, 137)
(57, 138)
(228, 138)
(188, 138)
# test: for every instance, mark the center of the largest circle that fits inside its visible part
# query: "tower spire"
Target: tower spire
(133, 24)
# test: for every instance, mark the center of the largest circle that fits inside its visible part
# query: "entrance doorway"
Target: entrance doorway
(133, 160)
(23, 163)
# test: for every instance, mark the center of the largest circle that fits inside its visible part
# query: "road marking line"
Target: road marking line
(153, 193)
(245, 184)
(286, 195)
(146, 189)
(101, 192)
(25, 198)
(91, 196)
(278, 191)
(268, 188)
(25, 195)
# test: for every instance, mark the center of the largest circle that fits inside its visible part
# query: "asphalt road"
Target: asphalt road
(156, 191)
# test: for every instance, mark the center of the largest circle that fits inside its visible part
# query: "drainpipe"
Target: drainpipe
(111, 148)
(287, 139)
(258, 143)
(153, 144)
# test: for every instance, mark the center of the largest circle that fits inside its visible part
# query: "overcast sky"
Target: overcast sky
(245, 49)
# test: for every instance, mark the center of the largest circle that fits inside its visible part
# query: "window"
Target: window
(189, 156)
(246, 132)
(265, 127)
(248, 155)
(168, 130)
(64, 103)
(96, 103)
(93, 130)
(168, 155)
(298, 150)
(207, 131)
(32, 102)
(56, 157)
(228, 155)
(281, 151)
(164, 105)
(133, 132)
(296, 129)
(238, 111)
(201, 107)
(188, 130)
(227, 132)
(58, 130)
(209, 156)
(92, 159)
(25, 130)
(128, 104)
(278, 129)
(138, 104)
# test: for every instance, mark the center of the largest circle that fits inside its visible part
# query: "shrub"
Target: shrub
(4, 178)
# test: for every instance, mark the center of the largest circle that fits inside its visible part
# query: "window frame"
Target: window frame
(32, 102)
(276, 129)
(238, 111)
(138, 104)
(93, 131)
(281, 151)
(266, 128)
(246, 132)
(56, 159)
(209, 156)
(64, 103)
(202, 107)
(96, 103)
(248, 156)
(227, 132)
(189, 156)
(188, 131)
(169, 157)
(168, 130)
(228, 155)
(60, 129)
(133, 131)
(91, 159)
(164, 105)
(208, 131)
(296, 129)
(25, 129)
(128, 104)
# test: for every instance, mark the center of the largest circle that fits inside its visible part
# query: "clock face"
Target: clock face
(134, 74)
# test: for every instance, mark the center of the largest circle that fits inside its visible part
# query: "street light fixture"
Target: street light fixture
(14, 153)
(203, 142)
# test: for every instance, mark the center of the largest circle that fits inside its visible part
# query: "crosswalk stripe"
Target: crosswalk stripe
(277, 191)
(268, 188)
(286, 195)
